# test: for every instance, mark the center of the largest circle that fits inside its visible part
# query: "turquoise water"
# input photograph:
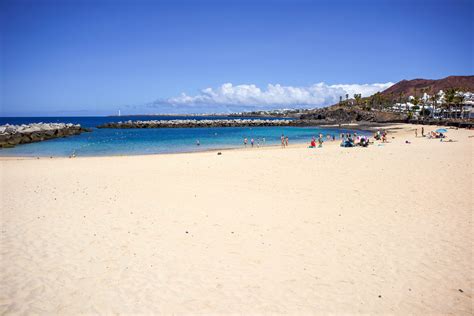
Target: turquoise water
(107, 142)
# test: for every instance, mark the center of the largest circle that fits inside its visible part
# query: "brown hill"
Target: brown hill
(407, 87)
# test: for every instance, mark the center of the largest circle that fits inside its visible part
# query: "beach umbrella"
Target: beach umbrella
(441, 130)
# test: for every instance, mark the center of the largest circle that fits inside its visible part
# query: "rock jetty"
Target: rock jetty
(12, 135)
(197, 123)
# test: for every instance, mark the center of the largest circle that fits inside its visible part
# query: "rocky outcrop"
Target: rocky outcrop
(197, 123)
(12, 135)
(343, 114)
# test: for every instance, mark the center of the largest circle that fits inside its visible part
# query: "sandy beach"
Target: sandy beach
(380, 230)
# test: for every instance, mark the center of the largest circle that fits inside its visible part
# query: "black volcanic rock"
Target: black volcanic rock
(346, 114)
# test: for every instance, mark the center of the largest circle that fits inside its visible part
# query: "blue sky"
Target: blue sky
(95, 57)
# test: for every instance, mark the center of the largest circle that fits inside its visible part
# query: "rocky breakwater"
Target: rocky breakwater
(197, 123)
(12, 135)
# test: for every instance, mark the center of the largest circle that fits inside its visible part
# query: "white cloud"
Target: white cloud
(229, 97)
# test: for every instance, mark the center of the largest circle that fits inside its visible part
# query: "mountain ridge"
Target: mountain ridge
(430, 86)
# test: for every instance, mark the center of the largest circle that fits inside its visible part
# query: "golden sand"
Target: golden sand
(385, 229)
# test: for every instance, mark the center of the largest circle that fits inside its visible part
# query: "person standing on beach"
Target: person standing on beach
(282, 140)
(251, 142)
(286, 141)
(245, 141)
(422, 131)
(320, 142)
(198, 143)
(416, 132)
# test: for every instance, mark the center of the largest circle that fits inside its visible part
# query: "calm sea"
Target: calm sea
(107, 142)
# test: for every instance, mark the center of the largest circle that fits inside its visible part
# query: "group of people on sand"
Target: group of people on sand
(434, 134)
(431, 134)
(381, 136)
(284, 140)
(260, 141)
(352, 140)
(320, 140)
(422, 132)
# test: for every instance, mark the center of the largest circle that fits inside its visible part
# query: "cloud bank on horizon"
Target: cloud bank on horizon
(247, 97)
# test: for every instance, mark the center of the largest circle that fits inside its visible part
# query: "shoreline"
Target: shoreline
(390, 128)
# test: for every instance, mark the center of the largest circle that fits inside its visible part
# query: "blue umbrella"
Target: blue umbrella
(441, 130)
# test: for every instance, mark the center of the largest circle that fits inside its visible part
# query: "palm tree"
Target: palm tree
(416, 101)
(458, 100)
(449, 96)
(357, 98)
(400, 97)
(422, 101)
(434, 99)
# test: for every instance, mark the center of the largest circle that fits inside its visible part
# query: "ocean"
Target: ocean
(111, 142)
